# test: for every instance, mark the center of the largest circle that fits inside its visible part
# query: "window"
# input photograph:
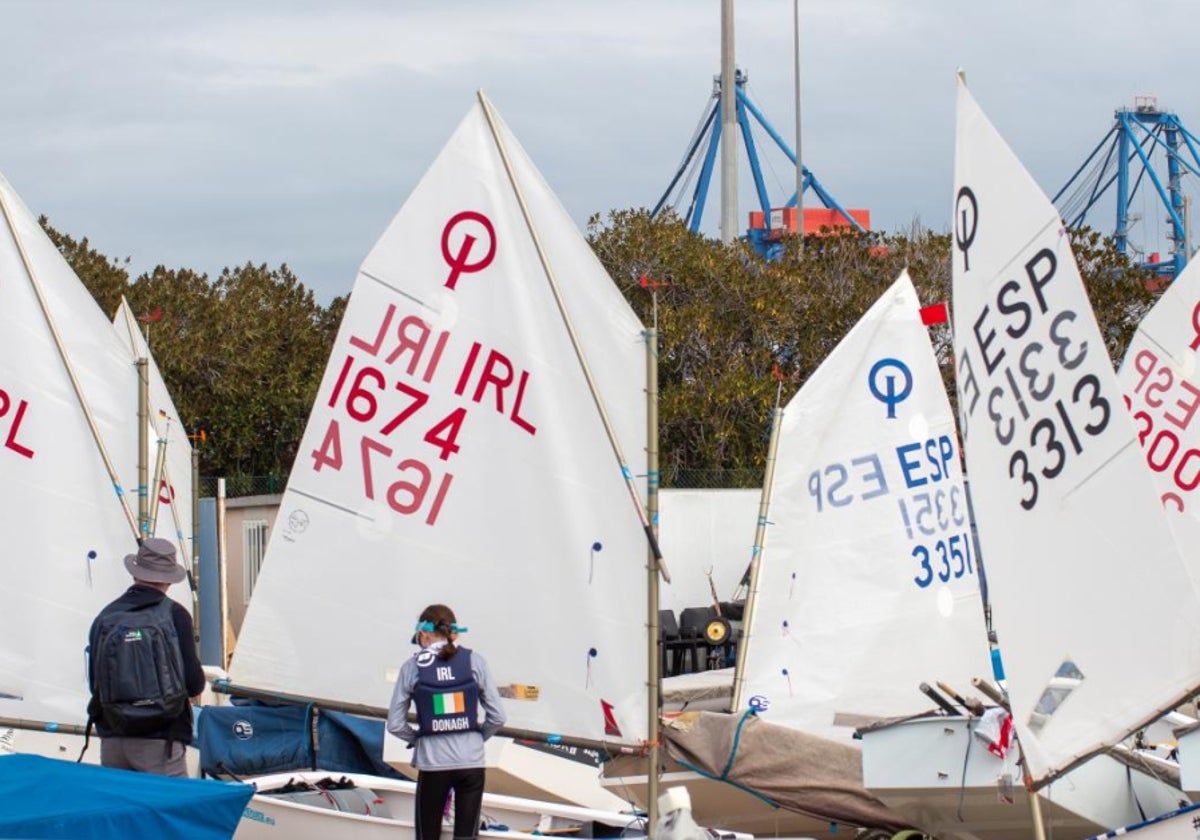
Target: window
(254, 547)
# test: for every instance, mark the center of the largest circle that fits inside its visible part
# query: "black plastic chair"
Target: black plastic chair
(669, 641)
(692, 622)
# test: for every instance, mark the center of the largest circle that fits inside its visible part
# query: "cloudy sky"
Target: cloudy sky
(208, 134)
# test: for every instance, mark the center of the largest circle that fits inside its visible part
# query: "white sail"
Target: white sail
(1095, 610)
(868, 583)
(63, 530)
(174, 521)
(454, 455)
(1161, 380)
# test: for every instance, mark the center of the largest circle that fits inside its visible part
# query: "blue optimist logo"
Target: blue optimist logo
(883, 379)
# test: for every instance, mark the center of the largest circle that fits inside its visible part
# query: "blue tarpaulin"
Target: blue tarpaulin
(53, 798)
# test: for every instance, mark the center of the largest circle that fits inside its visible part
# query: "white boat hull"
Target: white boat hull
(722, 805)
(1189, 761)
(516, 770)
(272, 817)
(1183, 824)
(942, 778)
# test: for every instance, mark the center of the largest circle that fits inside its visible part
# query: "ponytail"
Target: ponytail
(439, 619)
(448, 650)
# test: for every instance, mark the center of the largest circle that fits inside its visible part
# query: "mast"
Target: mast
(143, 459)
(729, 222)
(654, 677)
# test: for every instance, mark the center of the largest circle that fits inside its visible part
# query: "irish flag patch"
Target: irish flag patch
(449, 704)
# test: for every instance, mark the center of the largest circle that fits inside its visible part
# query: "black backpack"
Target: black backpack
(139, 670)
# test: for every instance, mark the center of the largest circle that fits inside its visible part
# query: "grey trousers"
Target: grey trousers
(148, 755)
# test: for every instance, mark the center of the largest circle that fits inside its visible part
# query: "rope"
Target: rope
(737, 736)
(962, 786)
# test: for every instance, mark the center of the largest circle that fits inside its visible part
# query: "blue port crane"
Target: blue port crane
(1126, 159)
(699, 168)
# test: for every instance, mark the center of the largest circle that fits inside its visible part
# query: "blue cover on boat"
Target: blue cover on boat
(253, 740)
(350, 744)
(53, 798)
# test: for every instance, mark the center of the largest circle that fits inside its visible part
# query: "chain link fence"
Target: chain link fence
(695, 479)
(237, 486)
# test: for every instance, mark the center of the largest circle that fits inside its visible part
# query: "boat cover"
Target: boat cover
(254, 739)
(794, 770)
(53, 798)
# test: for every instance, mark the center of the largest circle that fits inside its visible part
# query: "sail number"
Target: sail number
(947, 559)
(1041, 406)
(929, 497)
(12, 415)
(1167, 404)
(359, 390)
(384, 398)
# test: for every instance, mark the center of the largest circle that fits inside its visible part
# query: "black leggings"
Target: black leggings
(433, 786)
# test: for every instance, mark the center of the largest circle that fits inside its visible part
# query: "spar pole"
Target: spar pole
(760, 534)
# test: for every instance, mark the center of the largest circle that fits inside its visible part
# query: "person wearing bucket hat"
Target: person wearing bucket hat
(458, 708)
(133, 641)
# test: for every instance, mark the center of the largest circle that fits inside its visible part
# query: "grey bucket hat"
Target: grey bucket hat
(155, 562)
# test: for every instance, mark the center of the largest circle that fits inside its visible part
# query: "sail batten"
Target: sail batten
(458, 457)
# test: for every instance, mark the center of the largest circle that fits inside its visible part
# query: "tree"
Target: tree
(242, 355)
(735, 329)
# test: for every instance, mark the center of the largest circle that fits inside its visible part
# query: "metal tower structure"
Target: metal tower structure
(1126, 159)
(698, 168)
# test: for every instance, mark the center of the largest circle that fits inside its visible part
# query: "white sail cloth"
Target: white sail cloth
(869, 581)
(64, 532)
(455, 455)
(1161, 380)
(1068, 517)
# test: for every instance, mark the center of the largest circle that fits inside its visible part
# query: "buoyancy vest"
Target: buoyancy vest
(446, 695)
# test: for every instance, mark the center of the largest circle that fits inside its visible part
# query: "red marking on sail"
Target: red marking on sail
(937, 313)
(610, 719)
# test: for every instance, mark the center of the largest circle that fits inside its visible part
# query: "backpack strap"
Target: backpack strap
(87, 737)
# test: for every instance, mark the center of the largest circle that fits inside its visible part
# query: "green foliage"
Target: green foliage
(106, 278)
(242, 355)
(734, 329)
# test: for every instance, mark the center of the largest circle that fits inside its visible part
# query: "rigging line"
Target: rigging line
(768, 161)
(62, 353)
(1087, 182)
(962, 785)
(626, 473)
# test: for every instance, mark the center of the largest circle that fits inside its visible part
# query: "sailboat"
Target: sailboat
(866, 586)
(68, 396)
(466, 447)
(1071, 526)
